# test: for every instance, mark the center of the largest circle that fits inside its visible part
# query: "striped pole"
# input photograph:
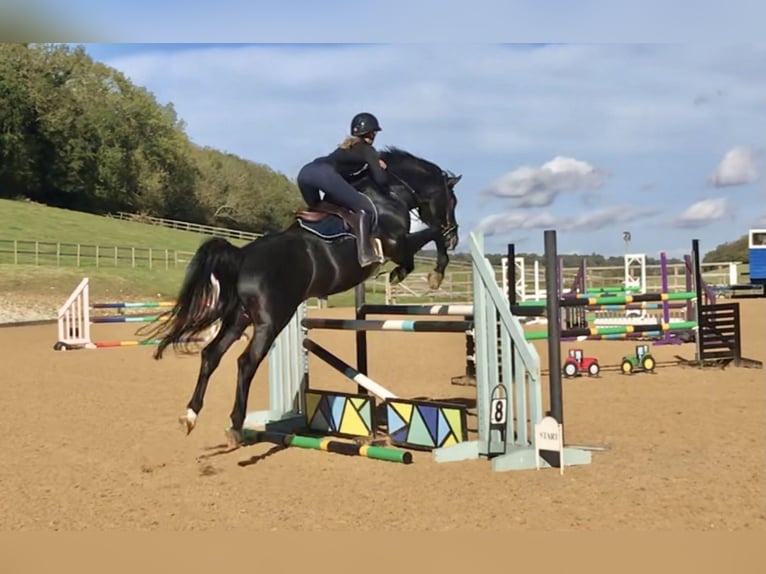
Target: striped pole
(128, 319)
(390, 325)
(327, 445)
(347, 370)
(525, 310)
(617, 337)
(616, 330)
(638, 306)
(576, 300)
(132, 305)
(137, 343)
(464, 310)
(611, 290)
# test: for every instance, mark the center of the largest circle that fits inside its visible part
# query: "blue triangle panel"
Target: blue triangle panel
(430, 417)
(326, 409)
(443, 430)
(400, 435)
(338, 406)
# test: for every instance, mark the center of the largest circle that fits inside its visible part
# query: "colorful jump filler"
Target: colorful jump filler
(75, 320)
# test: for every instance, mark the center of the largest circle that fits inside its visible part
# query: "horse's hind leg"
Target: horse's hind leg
(231, 330)
(265, 330)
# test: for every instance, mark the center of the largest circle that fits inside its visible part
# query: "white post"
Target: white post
(733, 275)
(538, 295)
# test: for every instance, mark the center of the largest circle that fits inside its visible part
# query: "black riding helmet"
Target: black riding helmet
(363, 124)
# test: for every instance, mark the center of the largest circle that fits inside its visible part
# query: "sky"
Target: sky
(580, 117)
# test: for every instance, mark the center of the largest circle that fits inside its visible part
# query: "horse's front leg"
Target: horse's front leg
(404, 258)
(415, 242)
(436, 276)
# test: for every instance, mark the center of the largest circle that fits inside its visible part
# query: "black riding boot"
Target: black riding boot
(364, 247)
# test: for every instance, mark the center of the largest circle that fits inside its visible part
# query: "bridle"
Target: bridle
(446, 227)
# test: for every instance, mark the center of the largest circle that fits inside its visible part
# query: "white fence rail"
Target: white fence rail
(60, 254)
(186, 226)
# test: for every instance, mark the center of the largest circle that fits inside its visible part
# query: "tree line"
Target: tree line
(77, 134)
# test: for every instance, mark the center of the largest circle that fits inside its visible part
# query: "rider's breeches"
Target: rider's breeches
(317, 176)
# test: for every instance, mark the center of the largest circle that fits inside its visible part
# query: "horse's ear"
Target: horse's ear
(453, 180)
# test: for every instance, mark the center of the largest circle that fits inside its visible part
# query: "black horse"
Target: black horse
(264, 282)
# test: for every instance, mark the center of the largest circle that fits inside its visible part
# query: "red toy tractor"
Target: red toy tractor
(575, 364)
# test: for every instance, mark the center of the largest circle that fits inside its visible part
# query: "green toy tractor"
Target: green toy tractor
(641, 361)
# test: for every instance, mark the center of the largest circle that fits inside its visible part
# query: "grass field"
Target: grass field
(30, 221)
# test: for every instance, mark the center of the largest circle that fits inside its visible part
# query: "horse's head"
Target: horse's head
(431, 188)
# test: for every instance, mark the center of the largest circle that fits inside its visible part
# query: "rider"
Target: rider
(332, 174)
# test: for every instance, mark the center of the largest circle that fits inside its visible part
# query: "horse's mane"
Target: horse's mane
(395, 154)
(398, 155)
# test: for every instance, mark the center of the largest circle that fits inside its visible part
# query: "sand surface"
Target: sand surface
(91, 442)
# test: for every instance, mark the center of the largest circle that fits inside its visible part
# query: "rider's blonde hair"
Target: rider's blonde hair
(349, 142)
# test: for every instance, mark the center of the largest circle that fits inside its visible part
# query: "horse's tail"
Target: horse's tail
(208, 293)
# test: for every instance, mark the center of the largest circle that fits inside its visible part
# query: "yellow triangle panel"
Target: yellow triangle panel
(404, 410)
(364, 407)
(352, 423)
(455, 421)
(449, 440)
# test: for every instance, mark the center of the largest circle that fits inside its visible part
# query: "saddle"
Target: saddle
(325, 209)
(330, 221)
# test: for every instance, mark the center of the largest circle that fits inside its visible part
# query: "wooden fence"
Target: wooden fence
(60, 254)
(186, 226)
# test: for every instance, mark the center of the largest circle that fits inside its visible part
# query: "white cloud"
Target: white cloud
(539, 186)
(507, 223)
(739, 166)
(704, 213)
(503, 223)
(284, 102)
(607, 216)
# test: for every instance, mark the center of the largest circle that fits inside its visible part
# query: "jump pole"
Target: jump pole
(328, 445)
(609, 331)
(465, 310)
(342, 367)
(389, 325)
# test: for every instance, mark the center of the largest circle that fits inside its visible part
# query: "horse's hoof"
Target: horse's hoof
(233, 438)
(435, 279)
(396, 276)
(188, 421)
